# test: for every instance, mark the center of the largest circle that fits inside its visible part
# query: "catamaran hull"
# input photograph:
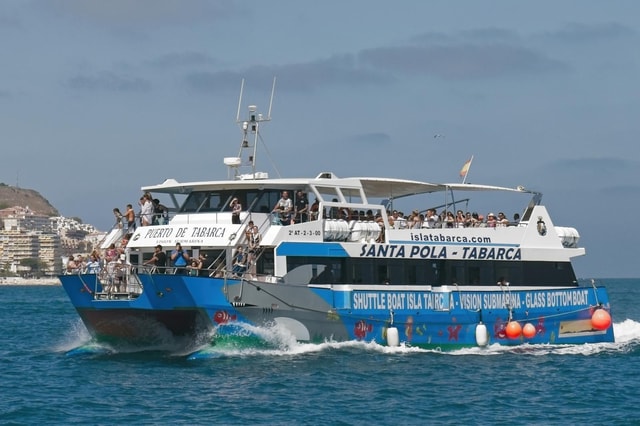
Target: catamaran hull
(190, 310)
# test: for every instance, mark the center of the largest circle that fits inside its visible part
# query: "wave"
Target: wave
(277, 341)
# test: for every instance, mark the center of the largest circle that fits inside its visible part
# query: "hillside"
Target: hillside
(11, 196)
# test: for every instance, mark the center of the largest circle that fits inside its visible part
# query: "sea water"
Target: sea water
(52, 373)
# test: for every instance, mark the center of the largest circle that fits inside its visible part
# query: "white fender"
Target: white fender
(392, 337)
(482, 337)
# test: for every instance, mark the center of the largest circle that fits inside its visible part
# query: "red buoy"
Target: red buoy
(513, 330)
(600, 320)
(529, 330)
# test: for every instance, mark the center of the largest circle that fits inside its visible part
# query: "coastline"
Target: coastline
(7, 281)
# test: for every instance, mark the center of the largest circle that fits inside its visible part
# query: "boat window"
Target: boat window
(266, 200)
(510, 271)
(316, 270)
(352, 195)
(254, 200)
(435, 272)
(265, 262)
(457, 274)
(194, 201)
(250, 200)
(327, 193)
(548, 273)
(473, 274)
(214, 202)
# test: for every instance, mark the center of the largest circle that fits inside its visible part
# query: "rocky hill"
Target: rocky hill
(11, 196)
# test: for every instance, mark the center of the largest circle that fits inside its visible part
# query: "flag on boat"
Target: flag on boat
(465, 168)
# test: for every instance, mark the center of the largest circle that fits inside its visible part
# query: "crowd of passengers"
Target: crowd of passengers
(447, 219)
(112, 264)
(150, 212)
(287, 212)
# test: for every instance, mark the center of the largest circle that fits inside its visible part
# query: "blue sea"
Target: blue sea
(52, 373)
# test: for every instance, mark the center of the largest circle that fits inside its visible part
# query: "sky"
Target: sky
(99, 98)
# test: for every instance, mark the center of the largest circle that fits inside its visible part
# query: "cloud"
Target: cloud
(337, 70)
(461, 61)
(492, 34)
(582, 33)
(370, 140)
(7, 22)
(143, 13)
(630, 191)
(590, 174)
(602, 165)
(380, 66)
(182, 59)
(109, 81)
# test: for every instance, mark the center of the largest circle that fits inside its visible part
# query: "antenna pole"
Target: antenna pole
(240, 101)
(273, 89)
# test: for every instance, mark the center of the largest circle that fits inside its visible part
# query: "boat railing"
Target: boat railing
(110, 282)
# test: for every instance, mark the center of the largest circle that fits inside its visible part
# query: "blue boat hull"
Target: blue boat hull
(194, 310)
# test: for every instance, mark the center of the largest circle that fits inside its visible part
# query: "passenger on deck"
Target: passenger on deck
(253, 241)
(194, 267)
(179, 257)
(122, 269)
(253, 236)
(158, 260)
(111, 253)
(123, 244)
(301, 208)
(450, 219)
(391, 219)
(283, 208)
(516, 219)
(415, 220)
(432, 219)
(204, 265)
(119, 218)
(80, 263)
(460, 219)
(468, 220)
(93, 266)
(334, 212)
(491, 220)
(314, 209)
(395, 220)
(130, 215)
(146, 210)
(160, 213)
(236, 208)
(475, 220)
(72, 267)
(502, 220)
(240, 262)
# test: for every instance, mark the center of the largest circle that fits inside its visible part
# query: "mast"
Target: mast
(250, 128)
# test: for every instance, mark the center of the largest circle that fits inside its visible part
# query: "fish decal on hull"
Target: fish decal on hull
(361, 329)
(223, 317)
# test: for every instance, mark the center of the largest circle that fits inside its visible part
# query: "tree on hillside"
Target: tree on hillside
(36, 265)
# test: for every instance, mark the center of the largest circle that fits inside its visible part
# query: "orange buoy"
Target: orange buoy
(513, 329)
(529, 330)
(600, 320)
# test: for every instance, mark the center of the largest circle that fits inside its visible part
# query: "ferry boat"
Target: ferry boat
(346, 268)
